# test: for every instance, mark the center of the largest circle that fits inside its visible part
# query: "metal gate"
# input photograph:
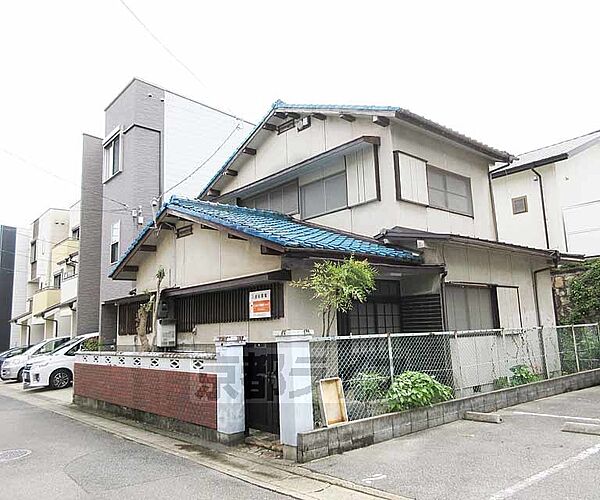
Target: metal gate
(260, 387)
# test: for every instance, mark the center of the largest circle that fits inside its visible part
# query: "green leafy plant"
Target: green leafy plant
(521, 374)
(336, 285)
(584, 295)
(91, 344)
(414, 390)
(369, 386)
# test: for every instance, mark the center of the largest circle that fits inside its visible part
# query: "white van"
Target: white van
(55, 370)
(13, 368)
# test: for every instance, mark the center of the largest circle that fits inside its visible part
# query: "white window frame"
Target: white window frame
(115, 237)
(107, 164)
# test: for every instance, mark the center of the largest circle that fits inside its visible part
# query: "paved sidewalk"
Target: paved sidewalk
(274, 475)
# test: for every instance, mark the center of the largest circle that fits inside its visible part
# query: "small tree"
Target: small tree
(584, 295)
(336, 285)
(147, 344)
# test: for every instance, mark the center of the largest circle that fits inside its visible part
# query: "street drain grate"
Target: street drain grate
(8, 455)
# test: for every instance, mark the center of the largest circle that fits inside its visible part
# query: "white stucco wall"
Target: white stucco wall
(572, 205)
(192, 133)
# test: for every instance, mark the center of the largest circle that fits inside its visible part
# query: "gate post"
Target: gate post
(231, 416)
(295, 388)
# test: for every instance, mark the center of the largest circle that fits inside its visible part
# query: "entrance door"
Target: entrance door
(260, 386)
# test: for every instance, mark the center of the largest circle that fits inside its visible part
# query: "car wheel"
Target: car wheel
(20, 375)
(60, 379)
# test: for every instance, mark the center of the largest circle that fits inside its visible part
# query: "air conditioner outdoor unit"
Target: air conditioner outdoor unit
(165, 333)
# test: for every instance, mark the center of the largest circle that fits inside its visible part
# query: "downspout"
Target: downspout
(493, 201)
(543, 202)
(443, 275)
(55, 321)
(28, 334)
(555, 259)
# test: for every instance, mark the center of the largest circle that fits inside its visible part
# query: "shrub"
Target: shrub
(91, 344)
(369, 386)
(416, 389)
(522, 374)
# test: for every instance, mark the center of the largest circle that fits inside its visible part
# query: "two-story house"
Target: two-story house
(548, 198)
(155, 143)
(313, 182)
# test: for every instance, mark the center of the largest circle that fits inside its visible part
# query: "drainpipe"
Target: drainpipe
(443, 275)
(493, 201)
(55, 327)
(28, 334)
(543, 202)
(555, 259)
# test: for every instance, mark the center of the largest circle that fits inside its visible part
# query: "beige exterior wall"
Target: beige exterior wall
(206, 256)
(502, 268)
(276, 152)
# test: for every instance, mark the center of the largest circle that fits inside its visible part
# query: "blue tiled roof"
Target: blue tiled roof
(277, 228)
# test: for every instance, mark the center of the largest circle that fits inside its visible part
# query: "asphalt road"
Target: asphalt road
(526, 457)
(70, 460)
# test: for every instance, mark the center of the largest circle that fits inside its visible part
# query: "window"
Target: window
(51, 346)
(519, 205)
(75, 233)
(449, 191)
(381, 313)
(71, 270)
(224, 306)
(324, 196)
(471, 307)
(282, 199)
(57, 280)
(112, 156)
(33, 252)
(115, 236)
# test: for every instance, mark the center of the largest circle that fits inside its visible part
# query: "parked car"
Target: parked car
(15, 351)
(55, 370)
(12, 368)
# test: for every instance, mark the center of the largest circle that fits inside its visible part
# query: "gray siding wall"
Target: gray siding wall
(142, 119)
(7, 265)
(88, 292)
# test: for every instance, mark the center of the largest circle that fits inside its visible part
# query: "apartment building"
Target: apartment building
(548, 198)
(49, 277)
(155, 143)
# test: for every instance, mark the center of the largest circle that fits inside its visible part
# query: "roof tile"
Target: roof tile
(277, 228)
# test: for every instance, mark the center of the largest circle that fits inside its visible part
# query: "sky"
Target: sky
(515, 75)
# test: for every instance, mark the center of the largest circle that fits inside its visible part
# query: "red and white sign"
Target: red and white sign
(260, 304)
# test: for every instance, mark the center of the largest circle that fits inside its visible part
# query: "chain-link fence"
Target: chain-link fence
(468, 361)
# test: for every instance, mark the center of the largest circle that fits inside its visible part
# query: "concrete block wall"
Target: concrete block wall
(327, 441)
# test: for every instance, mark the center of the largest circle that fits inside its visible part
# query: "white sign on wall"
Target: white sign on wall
(260, 304)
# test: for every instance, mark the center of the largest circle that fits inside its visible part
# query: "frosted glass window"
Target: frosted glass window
(449, 191)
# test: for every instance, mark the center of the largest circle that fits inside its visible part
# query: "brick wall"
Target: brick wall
(189, 397)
